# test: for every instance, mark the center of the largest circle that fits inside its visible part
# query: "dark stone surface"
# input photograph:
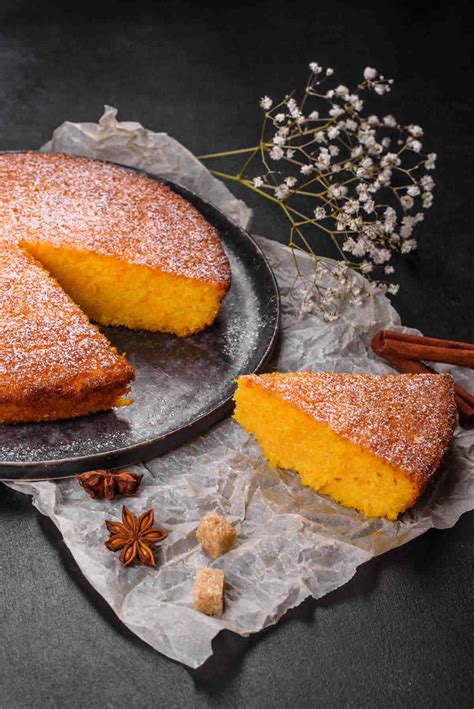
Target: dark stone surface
(400, 633)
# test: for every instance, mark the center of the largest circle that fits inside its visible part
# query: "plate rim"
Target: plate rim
(200, 424)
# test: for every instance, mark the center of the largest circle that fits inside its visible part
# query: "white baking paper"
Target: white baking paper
(292, 543)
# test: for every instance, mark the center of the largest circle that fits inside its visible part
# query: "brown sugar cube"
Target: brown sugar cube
(209, 591)
(216, 535)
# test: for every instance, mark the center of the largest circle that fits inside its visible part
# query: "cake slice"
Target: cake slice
(53, 362)
(84, 239)
(370, 442)
(126, 248)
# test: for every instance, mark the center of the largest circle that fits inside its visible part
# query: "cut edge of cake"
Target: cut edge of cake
(126, 247)
(67, 368)
(336, 447)
(114, 292)
(93, 251)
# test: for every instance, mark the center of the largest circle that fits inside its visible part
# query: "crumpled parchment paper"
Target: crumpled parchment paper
(292, 543)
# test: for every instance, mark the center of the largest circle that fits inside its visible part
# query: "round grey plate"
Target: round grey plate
(182, 386)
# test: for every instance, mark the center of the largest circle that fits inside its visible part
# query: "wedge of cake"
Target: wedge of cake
(124, 248)
(370, 442)
(53, 362)
(127, 249)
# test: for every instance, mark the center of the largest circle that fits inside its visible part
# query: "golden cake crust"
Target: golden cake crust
(406, 420)
(53, 362)
(104, 208)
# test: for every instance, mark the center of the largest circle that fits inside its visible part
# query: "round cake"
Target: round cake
(85, 240)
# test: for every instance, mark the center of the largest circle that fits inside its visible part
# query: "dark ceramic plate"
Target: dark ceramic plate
(182, 386)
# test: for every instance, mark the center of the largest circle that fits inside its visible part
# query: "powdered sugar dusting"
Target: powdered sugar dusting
(407, 420)
(178, 380)
(45, 340)
(81, 203)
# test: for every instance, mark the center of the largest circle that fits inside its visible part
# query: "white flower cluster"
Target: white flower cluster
(368, 175)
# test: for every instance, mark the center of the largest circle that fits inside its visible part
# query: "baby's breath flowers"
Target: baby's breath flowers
(334, 169)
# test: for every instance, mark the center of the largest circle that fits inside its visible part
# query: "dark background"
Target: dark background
(400, 633)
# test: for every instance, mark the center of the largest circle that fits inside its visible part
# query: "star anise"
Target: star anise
(136, 537)
(102, 483)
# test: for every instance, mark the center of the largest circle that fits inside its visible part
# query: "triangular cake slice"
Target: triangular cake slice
(53, 362)
(370, 442)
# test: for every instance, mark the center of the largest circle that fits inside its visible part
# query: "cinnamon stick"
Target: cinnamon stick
(464, 400)
(415, 347)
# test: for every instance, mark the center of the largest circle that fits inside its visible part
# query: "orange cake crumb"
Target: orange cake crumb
(371, 442)
(124, 248)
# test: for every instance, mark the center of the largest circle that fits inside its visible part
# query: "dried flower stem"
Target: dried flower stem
(351, 166)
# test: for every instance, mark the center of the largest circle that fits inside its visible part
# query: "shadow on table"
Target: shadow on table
(229, 648)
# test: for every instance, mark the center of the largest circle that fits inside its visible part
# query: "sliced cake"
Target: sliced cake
(53, 362)
(370, 442)
(127, 249)
(84, 239)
